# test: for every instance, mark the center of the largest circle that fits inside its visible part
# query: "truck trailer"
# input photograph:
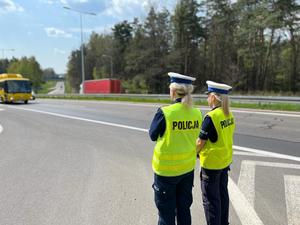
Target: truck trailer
(102, 86)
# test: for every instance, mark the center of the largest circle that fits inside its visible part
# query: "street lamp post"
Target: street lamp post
(111, 65)
(6, 49)
(82, 55)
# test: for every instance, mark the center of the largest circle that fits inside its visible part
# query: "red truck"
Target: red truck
(102, 86)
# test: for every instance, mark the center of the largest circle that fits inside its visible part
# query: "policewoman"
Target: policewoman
(175, 129)
(214, 147)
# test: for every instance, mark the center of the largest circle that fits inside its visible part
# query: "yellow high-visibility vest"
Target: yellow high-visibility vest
(218, 155)
(175, 152)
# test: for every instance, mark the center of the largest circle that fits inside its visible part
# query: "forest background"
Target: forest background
(252, 45)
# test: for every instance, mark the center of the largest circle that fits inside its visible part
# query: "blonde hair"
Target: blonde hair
(184, 91)
(223, 101)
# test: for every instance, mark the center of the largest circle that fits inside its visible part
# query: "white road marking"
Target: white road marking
(267, 113)
(292, 198)
(246, 182)
(274, 164)
(1, 109)
(243, 208)
(263, 152)
(236, 152)
(247, 176)
(82, 119)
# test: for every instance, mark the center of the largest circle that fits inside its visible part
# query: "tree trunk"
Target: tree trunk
(267, 79)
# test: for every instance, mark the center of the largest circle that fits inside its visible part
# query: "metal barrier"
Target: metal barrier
(234, 98)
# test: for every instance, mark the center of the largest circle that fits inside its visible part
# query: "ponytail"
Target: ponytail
(184, 91)
(223, 101)
(225, 104)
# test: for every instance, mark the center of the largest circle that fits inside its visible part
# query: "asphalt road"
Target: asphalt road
(87, 163)
(59, 89)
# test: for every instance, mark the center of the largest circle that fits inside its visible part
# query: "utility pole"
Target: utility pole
(82, 54)
(6, 49)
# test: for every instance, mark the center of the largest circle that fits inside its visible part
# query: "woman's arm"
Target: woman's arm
(199, 145)
(158, 126)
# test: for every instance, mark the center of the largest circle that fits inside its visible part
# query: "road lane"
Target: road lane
(101, 177)
(279, 133)
(64, 171)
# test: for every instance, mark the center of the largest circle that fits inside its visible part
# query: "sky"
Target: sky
(49, 32)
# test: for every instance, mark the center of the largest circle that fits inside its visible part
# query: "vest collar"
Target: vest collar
(178, 100)
(215, 108)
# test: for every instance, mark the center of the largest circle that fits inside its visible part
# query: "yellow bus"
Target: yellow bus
(15, 88)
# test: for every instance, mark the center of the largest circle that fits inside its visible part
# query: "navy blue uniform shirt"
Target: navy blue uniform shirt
(158, 125)
(208, 130)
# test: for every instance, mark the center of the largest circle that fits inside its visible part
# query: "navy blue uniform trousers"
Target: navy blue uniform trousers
(215, 195)
(173, 198)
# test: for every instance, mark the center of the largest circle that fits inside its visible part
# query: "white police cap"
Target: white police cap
(217, 87)
(180, 79)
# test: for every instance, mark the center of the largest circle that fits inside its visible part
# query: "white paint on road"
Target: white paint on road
(267, 113)
(82, 119)
(237, 152)
(243, 208)
(292, 197)
(266, 153)
(246, 181)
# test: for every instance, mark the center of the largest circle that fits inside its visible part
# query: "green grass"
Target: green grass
(265, 106)
(47, 87)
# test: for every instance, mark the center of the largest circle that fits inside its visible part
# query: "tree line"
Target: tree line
(251, 45)
(30, 68)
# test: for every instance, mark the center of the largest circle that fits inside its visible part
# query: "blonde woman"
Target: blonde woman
(175, 129)
(214, 147)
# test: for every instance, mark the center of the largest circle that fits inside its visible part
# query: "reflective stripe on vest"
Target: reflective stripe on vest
(175, 152)
(218, 155)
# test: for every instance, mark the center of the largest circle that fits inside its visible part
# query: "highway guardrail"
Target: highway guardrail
(234, 98)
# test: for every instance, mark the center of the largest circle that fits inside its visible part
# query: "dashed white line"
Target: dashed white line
(292, 198)
(1, 129)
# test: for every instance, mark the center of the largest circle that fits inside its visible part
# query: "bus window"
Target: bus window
(18, 86)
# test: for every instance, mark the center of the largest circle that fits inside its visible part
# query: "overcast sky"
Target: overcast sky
(44, 29)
